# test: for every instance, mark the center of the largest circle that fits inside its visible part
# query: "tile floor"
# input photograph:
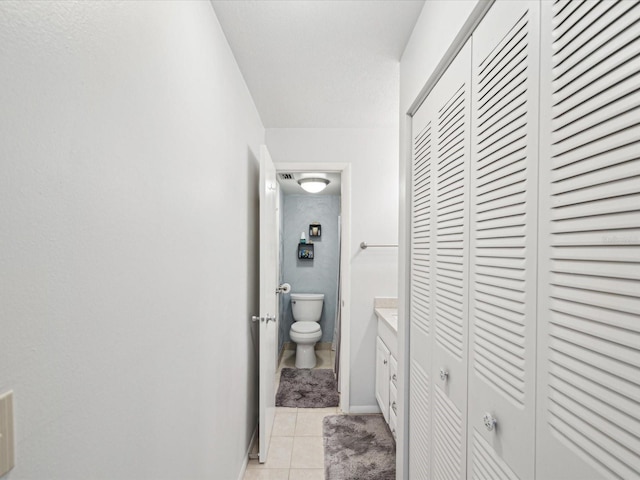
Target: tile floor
(296, 451)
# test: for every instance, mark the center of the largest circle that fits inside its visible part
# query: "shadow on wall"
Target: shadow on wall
(253, 280)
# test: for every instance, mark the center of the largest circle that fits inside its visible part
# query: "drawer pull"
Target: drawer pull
(394, 407)
(444, 375)
(394, 378)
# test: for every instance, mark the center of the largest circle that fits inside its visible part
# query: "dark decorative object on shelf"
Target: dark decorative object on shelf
(315, 230)
(305, 251)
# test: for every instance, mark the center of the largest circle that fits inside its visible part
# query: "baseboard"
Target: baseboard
(364, 409)
(245, 462)
(319, 346)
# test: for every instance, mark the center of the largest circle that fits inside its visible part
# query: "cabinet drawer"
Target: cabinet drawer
(393, 370)
(393, 400)
(393, 424)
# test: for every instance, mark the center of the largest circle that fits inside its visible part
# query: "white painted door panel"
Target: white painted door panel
(450, 240)
(420, 314)
(268, 299)
(503, 242)
(588, 414)
(439, 277)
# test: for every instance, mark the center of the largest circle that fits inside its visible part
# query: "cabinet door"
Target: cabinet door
(588, 421)
(504, 184)
(382, 377)
(450, 272)
(420, 312)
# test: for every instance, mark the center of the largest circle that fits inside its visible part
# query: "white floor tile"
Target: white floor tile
(327, 410)
(286, 410)
(266, 474)
(323, 359)
(288, 360)
(309, 422)
(278, 456)
(308, 452)
(306, 474)
(284, 424)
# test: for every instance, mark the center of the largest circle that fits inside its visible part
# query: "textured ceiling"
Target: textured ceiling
(320, 63)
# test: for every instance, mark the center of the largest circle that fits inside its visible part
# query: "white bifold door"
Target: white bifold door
(504, 183)
(525, 250)
(589, 277)
(439, 277)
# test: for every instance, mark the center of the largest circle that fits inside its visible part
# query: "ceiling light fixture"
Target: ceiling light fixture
(313, 185)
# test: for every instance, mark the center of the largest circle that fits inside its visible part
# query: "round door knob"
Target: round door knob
(444, 374)
(395, 377)
(255, 318)
(489, 421)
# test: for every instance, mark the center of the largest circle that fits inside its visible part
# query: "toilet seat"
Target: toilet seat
(305, 327)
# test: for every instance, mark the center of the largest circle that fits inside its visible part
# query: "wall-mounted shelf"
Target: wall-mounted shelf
(305, 251)
(315, 230)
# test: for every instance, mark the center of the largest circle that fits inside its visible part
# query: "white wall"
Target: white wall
(438, 24)
(373, 154)
(128, 228)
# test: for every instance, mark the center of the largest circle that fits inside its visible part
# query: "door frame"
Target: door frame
(344, 169)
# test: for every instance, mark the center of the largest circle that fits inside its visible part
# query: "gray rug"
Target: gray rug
(306, 388)
(358, 447)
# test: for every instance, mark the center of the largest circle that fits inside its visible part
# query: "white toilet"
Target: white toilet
(305, 331)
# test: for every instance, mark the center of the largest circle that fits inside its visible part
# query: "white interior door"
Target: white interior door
(503, 239)
(421, 295)
(588, 415)
(439, 277)
(268, 298)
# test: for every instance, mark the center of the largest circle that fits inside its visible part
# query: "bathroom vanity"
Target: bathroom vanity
(386, 310)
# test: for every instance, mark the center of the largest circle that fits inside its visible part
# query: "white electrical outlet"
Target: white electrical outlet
(7, 457)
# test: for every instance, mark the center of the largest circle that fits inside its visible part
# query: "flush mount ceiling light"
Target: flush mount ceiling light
(313, 185)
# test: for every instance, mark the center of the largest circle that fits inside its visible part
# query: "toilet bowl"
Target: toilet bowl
(306, 331)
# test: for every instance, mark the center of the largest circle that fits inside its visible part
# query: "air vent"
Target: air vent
(286, 176)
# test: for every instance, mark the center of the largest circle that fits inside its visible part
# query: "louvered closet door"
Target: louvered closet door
(421, 325)
(450, 216)
(589, 292)
(503, 242)
(439, 277)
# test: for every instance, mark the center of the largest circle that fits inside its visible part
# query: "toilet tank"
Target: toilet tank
(307, 307)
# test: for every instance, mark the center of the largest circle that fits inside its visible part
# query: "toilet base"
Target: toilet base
(305, 356)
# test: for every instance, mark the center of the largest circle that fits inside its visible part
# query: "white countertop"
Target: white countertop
(389, 316)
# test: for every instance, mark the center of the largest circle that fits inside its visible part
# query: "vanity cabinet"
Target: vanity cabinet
(382, 377)
(387, 366)
(387, 384)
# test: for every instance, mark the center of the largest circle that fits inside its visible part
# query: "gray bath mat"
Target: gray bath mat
(302, 387)
(358, 447)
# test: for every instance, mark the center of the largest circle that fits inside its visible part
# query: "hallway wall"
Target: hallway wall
(373, 155)
(128, 241)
